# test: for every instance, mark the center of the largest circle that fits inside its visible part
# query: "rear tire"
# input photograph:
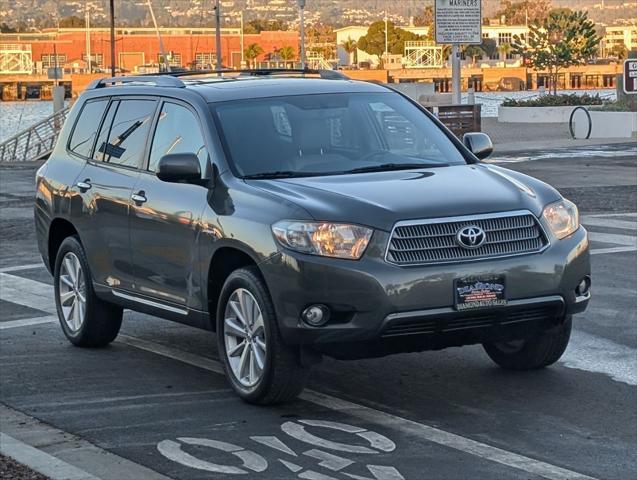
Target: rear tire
(275, 374)
(86, 320)
(539, 351)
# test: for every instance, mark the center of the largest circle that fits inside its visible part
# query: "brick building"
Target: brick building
(134, 47)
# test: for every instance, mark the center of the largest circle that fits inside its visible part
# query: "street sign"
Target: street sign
(630, 76)
(458, 21)
(54, 73)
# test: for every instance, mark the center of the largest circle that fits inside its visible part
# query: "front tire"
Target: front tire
(86, 320)
(260, 367)
(539, 351)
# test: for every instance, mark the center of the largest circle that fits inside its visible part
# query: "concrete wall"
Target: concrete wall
(534, 114)
(606, 125)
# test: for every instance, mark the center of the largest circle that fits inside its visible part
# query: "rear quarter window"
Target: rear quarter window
(86, 126)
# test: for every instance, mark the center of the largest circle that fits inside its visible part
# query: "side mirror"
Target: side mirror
(179, 167)
(479, 143)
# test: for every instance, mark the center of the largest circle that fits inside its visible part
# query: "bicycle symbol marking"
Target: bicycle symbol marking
(253, 462)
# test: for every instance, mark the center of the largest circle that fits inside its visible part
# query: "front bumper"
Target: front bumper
(368, 297)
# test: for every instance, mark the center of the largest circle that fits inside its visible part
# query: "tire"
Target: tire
(282, 377)
(539, 351)
(98, 322)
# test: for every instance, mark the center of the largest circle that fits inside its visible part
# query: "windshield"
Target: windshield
(330, 134)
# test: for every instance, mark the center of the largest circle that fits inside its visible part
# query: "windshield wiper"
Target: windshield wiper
(383, 167)
(279, 174)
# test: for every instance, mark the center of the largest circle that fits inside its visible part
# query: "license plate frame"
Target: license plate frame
(479, 292)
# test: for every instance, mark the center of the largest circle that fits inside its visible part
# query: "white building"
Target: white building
(626, 34)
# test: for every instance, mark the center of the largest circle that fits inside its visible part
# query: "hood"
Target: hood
(381, 199)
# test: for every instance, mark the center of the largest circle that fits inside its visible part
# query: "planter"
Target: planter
(534, 114)
(606, 124)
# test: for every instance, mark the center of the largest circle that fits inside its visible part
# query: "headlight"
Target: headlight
(562, 217)
(321, 238)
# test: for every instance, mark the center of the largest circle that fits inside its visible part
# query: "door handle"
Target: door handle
(84, 186)
(138, 197)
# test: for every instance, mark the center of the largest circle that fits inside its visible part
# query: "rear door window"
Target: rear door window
(128, 133)
(85, 129)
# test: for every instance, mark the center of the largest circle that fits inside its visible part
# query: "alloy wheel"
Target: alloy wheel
(72, 292)
(244, 336)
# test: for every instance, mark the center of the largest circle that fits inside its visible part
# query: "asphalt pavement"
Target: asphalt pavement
(155, 405)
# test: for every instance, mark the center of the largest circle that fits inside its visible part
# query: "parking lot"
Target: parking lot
(156, 405)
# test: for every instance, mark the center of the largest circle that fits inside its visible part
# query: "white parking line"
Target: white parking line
(41, 461)
(17, 268)
(609, 223)
(377, 417)
(25, 322)
(27, 292)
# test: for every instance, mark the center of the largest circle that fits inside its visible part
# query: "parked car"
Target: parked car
(299, 217)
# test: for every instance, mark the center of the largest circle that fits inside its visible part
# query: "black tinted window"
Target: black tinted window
(85, 130)
(331, 134)
(127, 137)
(177, 131)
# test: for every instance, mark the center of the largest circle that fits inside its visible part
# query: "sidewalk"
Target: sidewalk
(518, 137)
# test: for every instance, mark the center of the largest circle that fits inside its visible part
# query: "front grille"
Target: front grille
(469, 321)
(434, 241)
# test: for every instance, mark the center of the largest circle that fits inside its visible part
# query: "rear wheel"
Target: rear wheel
(540, 350)
(260, 367)
(86, 320)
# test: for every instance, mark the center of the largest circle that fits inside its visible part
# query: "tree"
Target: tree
(562, 40)
(521, 13)
(374, 42)
(4, 28)
(251, 52)
(72, 22)
(490, 46)
(504, 49)
(287, 53)
(258, 25)
(351, 48)
(619, 51)
(474, 51)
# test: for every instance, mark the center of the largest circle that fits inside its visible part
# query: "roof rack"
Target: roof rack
(157, 80)
(170, 79)
(257, 72)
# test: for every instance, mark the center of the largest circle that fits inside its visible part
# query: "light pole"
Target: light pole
(301, 4)
(112, 7)
(218, 35)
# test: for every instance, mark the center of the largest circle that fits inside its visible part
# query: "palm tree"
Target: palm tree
(504, 49)
(351, 47)
(474, 51)
(287, 53)
(251, 52)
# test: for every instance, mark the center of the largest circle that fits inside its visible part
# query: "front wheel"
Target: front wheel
(538, 351)
(260, 367)
(86, 320)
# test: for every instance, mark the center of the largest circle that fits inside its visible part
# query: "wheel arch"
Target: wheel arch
(225, 260)
(59, 230)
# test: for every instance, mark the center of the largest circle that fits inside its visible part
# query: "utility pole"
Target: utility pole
(456, 98)
(112, 7)
(301, 4)
(386, 37)
(88, 41)
(218, 35)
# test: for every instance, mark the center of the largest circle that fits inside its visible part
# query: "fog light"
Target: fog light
(584, 286)
(316, 315)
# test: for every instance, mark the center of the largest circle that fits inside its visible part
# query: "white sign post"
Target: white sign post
(458, 22)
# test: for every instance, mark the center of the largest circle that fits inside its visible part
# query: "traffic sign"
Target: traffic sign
(630, 76)
(458, 21)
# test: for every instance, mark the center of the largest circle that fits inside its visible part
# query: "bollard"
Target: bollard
(541, 89)
(471, 96)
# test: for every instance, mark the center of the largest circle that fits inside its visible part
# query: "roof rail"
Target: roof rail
(157, 80)
(255, 72)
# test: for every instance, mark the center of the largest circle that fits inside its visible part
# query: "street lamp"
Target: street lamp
(301, 4)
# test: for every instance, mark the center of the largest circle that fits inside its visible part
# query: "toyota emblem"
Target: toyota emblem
(471, 237)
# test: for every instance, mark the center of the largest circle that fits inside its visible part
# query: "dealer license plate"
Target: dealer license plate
(479, 292)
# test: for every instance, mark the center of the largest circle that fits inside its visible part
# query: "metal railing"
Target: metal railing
(34, 143)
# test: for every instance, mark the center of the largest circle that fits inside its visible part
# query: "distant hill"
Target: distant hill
(29, 14)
